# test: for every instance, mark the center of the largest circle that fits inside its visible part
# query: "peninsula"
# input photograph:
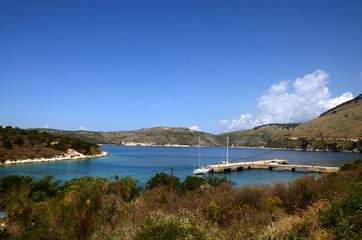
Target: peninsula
(30, 146)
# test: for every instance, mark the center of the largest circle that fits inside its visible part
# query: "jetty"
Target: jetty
(277, 164)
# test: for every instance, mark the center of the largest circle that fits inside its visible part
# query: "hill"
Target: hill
(260, 136)
(338, 129)
(158, 136)
(343, 121)
(162, 136)
(19, 144)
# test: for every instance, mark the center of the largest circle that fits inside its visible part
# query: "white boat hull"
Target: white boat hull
(200, 171)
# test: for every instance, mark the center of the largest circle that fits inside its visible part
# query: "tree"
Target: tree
(163, 179)
(192, 183)
(7, 144)
(43, 189)
(19, 141)
(160, 179)
(215, 181)
(304, 143)
(12, 183)
(126, 187)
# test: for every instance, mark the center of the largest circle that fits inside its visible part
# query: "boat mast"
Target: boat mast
(199, 153)
(227, 149)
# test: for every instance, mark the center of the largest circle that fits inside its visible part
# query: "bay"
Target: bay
(144, 162)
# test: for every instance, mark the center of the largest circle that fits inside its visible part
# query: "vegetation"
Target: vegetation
(16, 143)
(279, 125)
(197, 208)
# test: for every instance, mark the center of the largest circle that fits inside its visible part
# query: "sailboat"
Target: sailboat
(201, 169)
(226, 161)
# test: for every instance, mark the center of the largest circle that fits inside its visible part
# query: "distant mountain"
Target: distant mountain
(339, 129)
(160, 136)
(260, 136)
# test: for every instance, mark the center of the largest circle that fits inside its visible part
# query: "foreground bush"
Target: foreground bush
(197, 208)
(163, 227)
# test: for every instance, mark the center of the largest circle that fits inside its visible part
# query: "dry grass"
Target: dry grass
(300, 225)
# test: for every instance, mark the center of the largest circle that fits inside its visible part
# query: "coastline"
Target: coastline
(134, 144)
(70, 155)
(140, 144)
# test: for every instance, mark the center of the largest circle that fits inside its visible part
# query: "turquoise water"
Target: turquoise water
(144, 162)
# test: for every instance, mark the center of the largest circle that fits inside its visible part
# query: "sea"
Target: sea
(144, 162)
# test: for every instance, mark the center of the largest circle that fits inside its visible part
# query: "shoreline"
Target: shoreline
(70, 155)
(236, 147)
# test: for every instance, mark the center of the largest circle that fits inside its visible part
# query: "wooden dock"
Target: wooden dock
(277, 164)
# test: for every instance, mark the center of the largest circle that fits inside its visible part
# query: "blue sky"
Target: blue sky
(211, 65)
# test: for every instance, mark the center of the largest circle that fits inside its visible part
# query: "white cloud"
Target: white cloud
(46, 126)
(331, 103)
(81, 129)
(194, 128)
(244, 121)
(291, 102)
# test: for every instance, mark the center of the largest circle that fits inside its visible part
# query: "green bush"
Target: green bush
(168, 228)
(126, 187)
(344, 218)
(96, 208)
(7, 144)
(216, 181)
(163, 179)
(350, 166)
(192, 183)
(11, 184)
(19, 141)
(302, 192)
(43, 189)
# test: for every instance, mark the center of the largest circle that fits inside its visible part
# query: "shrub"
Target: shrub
(192, 183)
(126, 188)
(43, 189)
(164, 180)
(345, 216)
(168, 227)
(7, 144)
(215, 181)
(302, 192)
(19, 141)
(12, 184)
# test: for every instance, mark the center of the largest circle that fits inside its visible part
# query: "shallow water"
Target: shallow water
(144, 162)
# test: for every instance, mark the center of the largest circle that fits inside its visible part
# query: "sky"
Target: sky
(208, 65)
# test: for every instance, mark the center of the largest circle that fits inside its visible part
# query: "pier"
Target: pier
(277, 164)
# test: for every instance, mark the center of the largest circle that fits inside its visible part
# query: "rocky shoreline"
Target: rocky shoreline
(70, 155)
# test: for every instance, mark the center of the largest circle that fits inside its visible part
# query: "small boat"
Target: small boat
(273, 162)
(201, 169)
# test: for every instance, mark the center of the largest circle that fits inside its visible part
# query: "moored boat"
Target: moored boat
(201, 169)
(226, 161)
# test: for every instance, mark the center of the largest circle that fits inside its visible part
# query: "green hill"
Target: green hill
(260, 136)
(160, 136)
(19, 144)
